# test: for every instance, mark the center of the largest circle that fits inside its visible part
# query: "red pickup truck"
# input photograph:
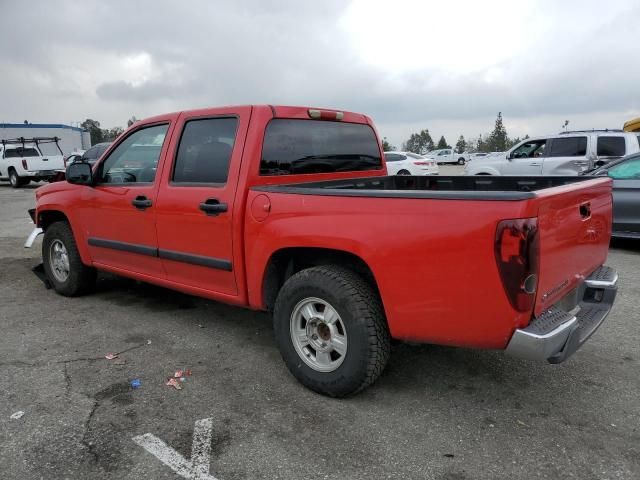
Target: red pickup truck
(290, 210)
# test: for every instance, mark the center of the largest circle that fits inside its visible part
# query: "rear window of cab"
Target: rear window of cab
(296, 146)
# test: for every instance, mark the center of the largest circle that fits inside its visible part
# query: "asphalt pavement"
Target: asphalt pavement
(435, 413)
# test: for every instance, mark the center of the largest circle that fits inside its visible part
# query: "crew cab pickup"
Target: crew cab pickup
(290, 210)
(22, 161)
(448, 155)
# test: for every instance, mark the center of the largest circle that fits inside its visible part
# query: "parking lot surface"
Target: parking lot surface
(435, 413)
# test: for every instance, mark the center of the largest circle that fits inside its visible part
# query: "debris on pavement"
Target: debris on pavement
(174, 383)
(17, 415)
(148, 342)
(135, 383)
(111, 356)
(119, 361)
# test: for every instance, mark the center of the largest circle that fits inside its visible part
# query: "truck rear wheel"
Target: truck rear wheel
(331, 330)
(62, 262)
(461, 161)
(15, 180)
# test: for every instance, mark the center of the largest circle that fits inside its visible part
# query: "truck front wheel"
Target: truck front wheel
(62, 262)
(331, 330)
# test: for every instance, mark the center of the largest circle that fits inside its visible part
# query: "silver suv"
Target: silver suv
(567, 153)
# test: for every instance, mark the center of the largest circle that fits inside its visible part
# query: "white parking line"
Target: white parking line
(198, 467)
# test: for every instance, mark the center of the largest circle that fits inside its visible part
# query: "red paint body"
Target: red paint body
(432, 259)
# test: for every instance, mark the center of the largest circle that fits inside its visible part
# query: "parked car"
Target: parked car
(92, 155)
(72, 157)
(447, 155)
(567, 153)
(409, 163)
(626, 195)
(22, 161)
(290, 210)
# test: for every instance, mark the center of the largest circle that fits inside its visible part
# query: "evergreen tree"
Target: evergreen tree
(419, 142)
(498, 140)
(442, 143)
(461, 145)
(386, 146)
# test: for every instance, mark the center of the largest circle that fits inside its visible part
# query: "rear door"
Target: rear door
(195, 211)
(626, 195)
(119, 211)
(566, 155)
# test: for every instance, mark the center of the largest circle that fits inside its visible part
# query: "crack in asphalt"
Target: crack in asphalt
(90, 447)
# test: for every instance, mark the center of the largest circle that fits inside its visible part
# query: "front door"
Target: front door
(195, 214)
(119, 212)
(525, 160)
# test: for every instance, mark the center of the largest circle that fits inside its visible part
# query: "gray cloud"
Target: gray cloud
(66, 65)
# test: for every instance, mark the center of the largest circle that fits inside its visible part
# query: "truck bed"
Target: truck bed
(442, 187)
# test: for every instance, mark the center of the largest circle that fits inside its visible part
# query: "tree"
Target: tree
(386, 146)
(442, 143)
(109, 135)
(93, 126)
(461, 145)
(498, 140)
(419, 142)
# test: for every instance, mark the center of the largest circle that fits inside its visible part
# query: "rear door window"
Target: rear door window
(611, 146)
(393, 157)
(21, 152)
(568, 147)
(294, 146)
(205, 151)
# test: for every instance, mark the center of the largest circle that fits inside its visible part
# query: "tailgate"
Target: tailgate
(45, 162)
(574, 230)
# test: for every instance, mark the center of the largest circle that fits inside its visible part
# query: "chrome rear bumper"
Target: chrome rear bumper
(557, 334)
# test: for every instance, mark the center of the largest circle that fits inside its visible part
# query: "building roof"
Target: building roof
(41, 125)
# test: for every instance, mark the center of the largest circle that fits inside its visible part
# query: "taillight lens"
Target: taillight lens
(421, 163)
(24, 164)
(517, 253)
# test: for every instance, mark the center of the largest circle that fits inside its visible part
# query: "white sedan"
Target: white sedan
(408, 163)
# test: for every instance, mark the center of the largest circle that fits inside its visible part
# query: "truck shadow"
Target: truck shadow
(630, 244)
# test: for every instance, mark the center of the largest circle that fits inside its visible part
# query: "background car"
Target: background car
(72, 157)
(626, 195)
(92, 155)
(409, 163)
(567, 153)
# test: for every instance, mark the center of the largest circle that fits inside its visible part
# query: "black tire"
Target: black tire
(361, 312)
(461, 161)
(15, 180)
(404, 172)
(81, 279)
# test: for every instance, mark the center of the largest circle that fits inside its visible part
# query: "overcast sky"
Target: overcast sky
(448, 65)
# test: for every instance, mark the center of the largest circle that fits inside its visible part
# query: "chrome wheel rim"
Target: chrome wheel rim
(59, 260)
(318, 334)
(13, 179)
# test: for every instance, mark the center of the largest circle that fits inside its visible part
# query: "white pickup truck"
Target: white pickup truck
(447, 155)
(21, 160)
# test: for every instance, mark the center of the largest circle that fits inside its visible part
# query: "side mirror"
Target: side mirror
(509, 156)
(79, 173)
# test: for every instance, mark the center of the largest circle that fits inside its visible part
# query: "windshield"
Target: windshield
(21, 152)
(317, 146)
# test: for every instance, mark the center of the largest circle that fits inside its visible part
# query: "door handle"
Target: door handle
(213, 207)
(141, 202)
(535, 164)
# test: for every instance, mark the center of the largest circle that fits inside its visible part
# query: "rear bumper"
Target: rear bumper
(561, 330)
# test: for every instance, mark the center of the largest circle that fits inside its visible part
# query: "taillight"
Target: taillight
(517, 251)
(64, 160)
(24, 164)
(421, 163)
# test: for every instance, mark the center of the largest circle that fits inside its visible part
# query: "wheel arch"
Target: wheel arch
(48, 216)
(285, 262)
